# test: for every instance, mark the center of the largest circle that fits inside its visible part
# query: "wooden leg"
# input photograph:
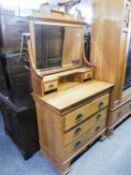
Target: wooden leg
(110, 132)
(65, 169)
(103, 137)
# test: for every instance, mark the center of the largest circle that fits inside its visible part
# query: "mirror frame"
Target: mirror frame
(53, 22)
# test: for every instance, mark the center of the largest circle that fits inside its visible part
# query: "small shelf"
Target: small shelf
(56, 76)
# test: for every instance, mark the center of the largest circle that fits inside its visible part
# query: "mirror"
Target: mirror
(49, 45)
(58, 46)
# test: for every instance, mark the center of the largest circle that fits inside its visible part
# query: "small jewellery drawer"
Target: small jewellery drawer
(79, 130)
(88, 75)
(77, 116)
(90, 134)
(121, 112)
(49, 86)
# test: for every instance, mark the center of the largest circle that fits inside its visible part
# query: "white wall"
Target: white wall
(25, 6)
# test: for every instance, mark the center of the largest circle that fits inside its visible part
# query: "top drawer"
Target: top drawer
(86, 111)
(16, 21)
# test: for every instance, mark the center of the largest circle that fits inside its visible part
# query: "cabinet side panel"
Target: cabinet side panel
(106, 39)
(51, 132)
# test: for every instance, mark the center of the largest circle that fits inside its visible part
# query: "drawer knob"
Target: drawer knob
(98, 129)
(51, 86)
(77, 145)
(119, 114)
(77, 131)
(88, 75)
(98, 116)
(101, 105)
(79, 117)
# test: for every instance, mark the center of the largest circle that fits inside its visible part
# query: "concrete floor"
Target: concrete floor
(110, 157)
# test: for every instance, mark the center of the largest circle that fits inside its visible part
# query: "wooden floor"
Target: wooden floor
(110, 157)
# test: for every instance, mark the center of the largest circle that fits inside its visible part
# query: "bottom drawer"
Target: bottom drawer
(91, 133)
(119, 114)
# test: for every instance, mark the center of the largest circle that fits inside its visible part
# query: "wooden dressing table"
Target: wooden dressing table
(72, 107)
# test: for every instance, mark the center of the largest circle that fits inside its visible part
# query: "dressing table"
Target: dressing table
(72, 106)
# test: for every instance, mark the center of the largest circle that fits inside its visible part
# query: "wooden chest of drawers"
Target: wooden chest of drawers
(11, 29)
(119, 114)
(18, 75)
(3, 84)
(66, 128)
(18, 112)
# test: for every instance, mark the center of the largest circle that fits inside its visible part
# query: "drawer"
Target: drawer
(75, 147)
(49, 86)
(15, 64)
(88, 75)
(2, 85)
(74, 118)
(16, 21)
(13, 37)
(94, 121)
(83, 140)
(120, 113)
(13, 34)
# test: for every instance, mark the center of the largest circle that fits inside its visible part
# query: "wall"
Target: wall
(25, 8)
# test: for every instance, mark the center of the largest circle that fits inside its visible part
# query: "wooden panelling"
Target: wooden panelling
(109, 49)
(75, 38)
(51, 133)
(108, 45)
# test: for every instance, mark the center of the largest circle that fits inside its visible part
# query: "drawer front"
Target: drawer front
(92, 133)
(79, 115)
(75, 147)
(120, 113)
(14, 33)
(16, 21)
(88, 75)
(79, 130)
(49, 86)
(15, 66)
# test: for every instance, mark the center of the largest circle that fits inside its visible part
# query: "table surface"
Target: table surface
(64, 98)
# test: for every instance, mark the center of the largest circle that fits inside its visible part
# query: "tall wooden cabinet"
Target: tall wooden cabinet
(72, 106)
(109, 49)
